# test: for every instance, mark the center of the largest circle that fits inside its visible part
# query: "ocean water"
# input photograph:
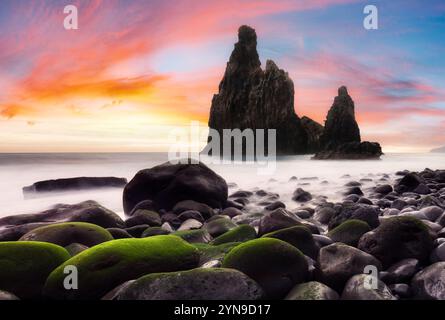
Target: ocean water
(19, 170)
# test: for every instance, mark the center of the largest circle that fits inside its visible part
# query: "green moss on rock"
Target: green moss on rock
(239, 234)
(276, 265)
(349, 232)
(110, 264)
(25, 265)
(213, 252)
(64, 234)
(300, 237)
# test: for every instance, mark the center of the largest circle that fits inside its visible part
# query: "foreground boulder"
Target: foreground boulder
(196, 284)
(24, 266)
(398, 238)
(70, 184)
(312, 290)
(167, 184)
(339, 262)
(355, 289)
(341, 136)
(349, 232)
(300, 237)
(64, 234)
(110, 264)
(252, 98)
(274, 264)
(430, 282)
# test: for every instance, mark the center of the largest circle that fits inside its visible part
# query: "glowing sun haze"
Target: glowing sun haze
(136, 70)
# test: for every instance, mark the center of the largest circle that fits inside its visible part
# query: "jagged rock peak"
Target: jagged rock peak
(343, 91)
(340, 125)
(245, 53)
(252, 98)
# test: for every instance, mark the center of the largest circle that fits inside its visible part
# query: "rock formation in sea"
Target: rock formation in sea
(314, 131)
(78, 183)
(439, 150)
(341, 136)
(252, 98)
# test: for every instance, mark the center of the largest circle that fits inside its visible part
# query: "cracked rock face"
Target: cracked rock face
(252, 98)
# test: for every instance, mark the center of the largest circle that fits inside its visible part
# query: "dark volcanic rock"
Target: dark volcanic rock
(346, 211)
(252, 98)
(13, 227)
(355, 289)
(79, 183)
(340, 126)
(314, 130)
(398, 238)
(196, 284)
(430, 282)
(168, 184)
(351, 150)
(341, 135)
(339, 262)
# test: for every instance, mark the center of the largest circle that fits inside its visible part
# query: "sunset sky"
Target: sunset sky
(135, 71)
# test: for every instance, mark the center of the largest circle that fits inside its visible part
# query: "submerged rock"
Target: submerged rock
(72, 184)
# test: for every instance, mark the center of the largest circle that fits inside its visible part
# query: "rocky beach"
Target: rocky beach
(189, 234)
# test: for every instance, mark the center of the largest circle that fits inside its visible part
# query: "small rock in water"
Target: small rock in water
(301, 196)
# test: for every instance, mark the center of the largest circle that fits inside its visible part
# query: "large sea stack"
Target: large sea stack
(252, 98)
(341, 135)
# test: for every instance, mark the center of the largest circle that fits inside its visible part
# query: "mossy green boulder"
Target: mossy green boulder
(64, 234)
(239, 234)
(300, 237)
(349, 232)
(196, 284)
(276, 265)
(107, 265)
(25, 265)
(213, 252)
(194, 236)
